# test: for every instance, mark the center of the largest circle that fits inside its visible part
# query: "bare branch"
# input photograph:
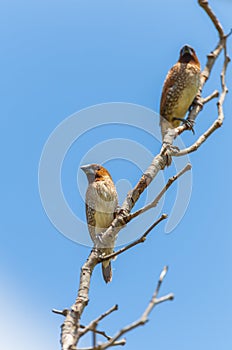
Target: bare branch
(154, 297)
(70, 329)
(60, 312)
(199, 141)
(214, 94)
(144, 318)
(93, 324)
(103, 333)
(154, 203)
(205, 5)
(140, 240)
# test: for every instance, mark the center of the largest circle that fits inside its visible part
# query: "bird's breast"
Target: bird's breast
(104, 197)
(103, 220)
(187, 89)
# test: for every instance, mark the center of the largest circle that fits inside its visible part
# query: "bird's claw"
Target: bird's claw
(121, 212)
(190, 124)
(196, 102)
(118, 210)
(169, 150)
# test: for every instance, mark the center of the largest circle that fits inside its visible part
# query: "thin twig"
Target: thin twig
(140, 240)
(144, 318)
(60, 312)
(97, 331)
(205, 5)
(154, 203)
(154, 297)
(103, 333)
(214, 94)
(92, 325)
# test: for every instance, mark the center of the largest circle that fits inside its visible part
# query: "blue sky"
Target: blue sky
(57, 59)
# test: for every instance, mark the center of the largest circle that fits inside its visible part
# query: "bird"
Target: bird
(179, 90)
(101, 202)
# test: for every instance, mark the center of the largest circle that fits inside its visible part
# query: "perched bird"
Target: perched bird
(179, 90)
(101, 203)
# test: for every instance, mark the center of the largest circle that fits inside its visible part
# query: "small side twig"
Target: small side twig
(205, 5)
(97, 331)
(60, 312)
(154, 203)
(214, 94)
(139, 240)
(144, 318)
(94, 323)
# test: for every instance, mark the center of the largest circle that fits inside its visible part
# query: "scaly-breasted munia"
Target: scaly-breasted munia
(180, 89)
(101, 203)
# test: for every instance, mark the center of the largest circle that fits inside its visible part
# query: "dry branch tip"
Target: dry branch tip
(163, 273)
(60, 312)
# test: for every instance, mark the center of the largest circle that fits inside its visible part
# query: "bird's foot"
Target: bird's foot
(170, 149)
(196, 102)
(123, 213)
(118, 210)
(188, 122)
(190, 125)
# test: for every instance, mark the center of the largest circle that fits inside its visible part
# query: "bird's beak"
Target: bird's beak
(87, 169)
(186, 50)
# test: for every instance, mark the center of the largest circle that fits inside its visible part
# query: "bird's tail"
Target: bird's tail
(107, 271)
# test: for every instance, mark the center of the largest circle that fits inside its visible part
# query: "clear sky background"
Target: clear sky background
(60, 57)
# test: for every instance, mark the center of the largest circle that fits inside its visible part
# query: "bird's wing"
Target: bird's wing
(167, 87)
(90, 215)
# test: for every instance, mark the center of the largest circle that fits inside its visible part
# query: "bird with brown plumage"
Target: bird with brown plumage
(101, 203)
(179, 90)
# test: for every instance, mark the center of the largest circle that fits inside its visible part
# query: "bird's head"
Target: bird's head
(95, 172)
(188, 55)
